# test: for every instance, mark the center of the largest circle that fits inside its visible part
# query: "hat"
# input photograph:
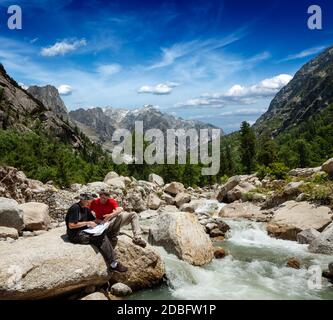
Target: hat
(87, 196)
(103, 191)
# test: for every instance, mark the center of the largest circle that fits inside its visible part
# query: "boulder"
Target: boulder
(145, 266)
(48, 266)
(182, 198)
(156, 179)
(307, 236)
(293, 217)
(95, 296)
(193, 205)
(324, 243)
(96, 186)
(174, 188)
(230, 184)
(168, 199)
(328, 167)
(8, 233)
(181, 234)
(35, 216)
(111, 175)
(120, 290)
(154, 201)
(11, 215)
(116, 182)
(239, 192)
(241, 210)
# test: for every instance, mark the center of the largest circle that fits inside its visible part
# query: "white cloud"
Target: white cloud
(305, 53)
(109, 69)
(160, 89)
(239, 94)
(63, 47)
(65, 90)
(23, 86)
(266, 88)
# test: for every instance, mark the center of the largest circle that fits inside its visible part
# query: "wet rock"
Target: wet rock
(220, 253)
(324, 243)
(120, 290)
(181, 234)
(294, 263)
(307, 236)
(216, 232)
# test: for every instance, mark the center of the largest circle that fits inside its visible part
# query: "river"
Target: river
(254, 269)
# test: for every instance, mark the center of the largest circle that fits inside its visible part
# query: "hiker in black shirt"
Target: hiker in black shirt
(79, 218)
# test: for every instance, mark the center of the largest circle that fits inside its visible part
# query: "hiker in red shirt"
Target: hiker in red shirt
(107, 209)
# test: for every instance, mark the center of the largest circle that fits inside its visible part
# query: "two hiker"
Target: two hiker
(80, 217)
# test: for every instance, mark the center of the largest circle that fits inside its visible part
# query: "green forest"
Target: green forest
(46, 158)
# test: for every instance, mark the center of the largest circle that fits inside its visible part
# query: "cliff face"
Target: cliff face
(20, 110)
(51, 99)
(310, 91)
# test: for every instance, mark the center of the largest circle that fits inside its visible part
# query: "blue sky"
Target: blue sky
(215, 61)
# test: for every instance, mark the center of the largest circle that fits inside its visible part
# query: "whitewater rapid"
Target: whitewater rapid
(254, 269)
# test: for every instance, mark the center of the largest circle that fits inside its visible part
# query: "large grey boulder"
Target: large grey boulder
(323, 243)
(35, 216)
(181, 234)
(120, 290)
(307, 236)
(229, 185)
(95, 296)
(48, 266)
(293, 217)
(111, 175)
(154, 201)
(11, 215)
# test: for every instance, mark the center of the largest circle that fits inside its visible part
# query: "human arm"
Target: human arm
(112, 215)
(77, 225)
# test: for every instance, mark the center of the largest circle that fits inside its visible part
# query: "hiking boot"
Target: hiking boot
(119, 268)
(139, 241)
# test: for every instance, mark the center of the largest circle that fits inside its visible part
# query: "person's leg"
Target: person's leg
(133, 219)
(104, 245)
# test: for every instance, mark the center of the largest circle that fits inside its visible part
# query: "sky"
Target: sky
(219, 62)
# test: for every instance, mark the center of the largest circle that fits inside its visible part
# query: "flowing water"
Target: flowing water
(254, 269)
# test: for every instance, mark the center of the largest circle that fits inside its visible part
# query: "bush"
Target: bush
(276, 170)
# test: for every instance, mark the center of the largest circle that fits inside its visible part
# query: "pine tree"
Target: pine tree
(248, 147)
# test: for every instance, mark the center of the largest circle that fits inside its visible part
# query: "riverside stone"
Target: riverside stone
(181, 234)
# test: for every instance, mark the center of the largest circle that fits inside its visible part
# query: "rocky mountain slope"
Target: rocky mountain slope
(20, 110)
(100, 123)
(310, 92)
(50, 97)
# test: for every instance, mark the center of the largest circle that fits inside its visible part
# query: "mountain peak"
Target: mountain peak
(50, 97)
